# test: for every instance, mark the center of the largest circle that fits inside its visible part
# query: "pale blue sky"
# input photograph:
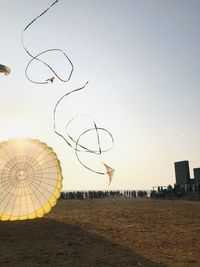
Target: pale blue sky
(142, 59)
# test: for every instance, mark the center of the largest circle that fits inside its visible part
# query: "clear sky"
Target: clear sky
(142, 59)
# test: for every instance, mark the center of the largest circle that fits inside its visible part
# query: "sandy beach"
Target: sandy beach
(106, 232)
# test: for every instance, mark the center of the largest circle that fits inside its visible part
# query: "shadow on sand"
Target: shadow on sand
(46, 242)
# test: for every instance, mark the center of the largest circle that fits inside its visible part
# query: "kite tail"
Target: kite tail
(36, 57)
(56, 106)
(78, 147)
(69, 140)
(40, 15)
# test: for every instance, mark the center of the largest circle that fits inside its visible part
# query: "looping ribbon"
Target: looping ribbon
(69, 140)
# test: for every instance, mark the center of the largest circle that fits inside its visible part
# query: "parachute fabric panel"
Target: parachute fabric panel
(30, 179)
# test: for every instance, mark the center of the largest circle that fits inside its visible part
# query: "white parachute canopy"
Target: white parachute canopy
(30, 179)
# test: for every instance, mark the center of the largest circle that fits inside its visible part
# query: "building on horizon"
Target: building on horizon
(182, 172)
(196, 175)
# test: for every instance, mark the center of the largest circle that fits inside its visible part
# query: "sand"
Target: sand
(106, 232)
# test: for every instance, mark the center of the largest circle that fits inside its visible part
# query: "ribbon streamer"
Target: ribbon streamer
(69, 140)
(77, 145)
(36, 57)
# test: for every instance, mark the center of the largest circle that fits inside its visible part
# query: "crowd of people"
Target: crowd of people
(81, 195)
(159, 192)
(176, 191)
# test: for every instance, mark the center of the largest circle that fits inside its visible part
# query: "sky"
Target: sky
(142, 61)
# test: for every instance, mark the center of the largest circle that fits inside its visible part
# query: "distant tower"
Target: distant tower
(182, 172)
(197, 175)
